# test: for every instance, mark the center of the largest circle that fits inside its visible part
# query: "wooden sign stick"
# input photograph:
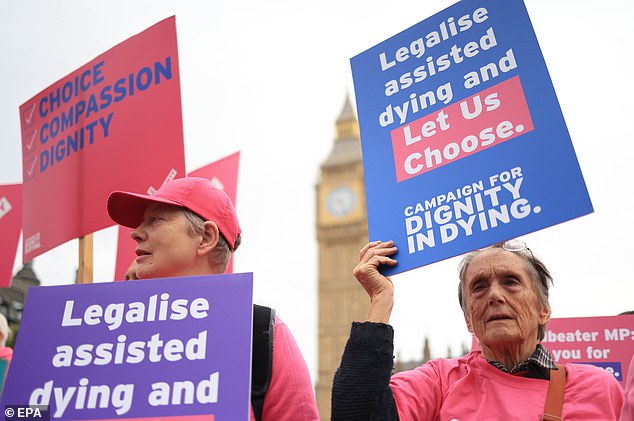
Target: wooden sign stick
(84, 273)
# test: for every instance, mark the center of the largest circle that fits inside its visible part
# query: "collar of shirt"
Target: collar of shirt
(537, 366)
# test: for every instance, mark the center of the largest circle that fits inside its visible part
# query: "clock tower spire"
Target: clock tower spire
(342, 230)
(347, 124)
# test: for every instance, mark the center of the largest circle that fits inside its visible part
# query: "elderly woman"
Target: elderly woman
(503, 292)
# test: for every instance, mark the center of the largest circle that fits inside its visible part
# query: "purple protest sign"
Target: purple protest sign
(154, 348)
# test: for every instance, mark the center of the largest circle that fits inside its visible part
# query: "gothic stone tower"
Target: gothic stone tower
(341, 232)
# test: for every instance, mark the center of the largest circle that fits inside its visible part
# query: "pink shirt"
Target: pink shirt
(6, 353)
(627, 414)
(290, 396)
(469, 388)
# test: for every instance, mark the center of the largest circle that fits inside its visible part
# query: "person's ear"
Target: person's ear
(544, 315)
(209, 239)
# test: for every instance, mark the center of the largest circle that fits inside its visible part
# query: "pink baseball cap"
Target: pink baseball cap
(197, 194)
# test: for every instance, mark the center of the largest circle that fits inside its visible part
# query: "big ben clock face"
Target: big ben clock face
(340, 201)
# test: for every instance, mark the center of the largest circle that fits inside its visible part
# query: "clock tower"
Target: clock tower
(342, 230)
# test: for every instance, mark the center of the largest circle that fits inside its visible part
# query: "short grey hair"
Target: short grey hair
(223, 251)
(538, 272)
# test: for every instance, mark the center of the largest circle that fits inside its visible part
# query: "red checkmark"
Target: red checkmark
(28, 115)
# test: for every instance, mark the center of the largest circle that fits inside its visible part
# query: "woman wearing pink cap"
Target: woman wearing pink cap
(189, 227)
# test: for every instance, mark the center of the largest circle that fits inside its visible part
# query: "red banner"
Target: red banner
(113, 124)
(223, 173)
(10, 226)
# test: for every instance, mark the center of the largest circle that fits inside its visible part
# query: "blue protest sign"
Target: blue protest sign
(464, 143)
(176, 347)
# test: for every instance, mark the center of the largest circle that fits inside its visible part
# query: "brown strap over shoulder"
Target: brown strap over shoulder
(555, 397)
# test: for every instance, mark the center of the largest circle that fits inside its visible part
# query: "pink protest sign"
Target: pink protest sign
(607, 342)
(88, 133)
(223, 173)
(10, 226)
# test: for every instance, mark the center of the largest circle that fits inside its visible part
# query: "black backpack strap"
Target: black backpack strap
(262, 356)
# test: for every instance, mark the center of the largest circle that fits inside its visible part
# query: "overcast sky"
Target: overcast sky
(269, 79)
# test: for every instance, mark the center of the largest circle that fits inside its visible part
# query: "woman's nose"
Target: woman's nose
(496, 293)
(136, 234)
